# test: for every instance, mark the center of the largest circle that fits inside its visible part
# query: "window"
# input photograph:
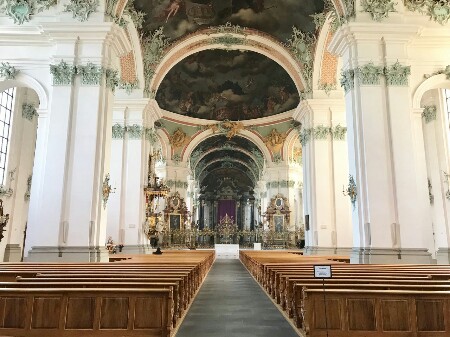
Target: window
(6, 106)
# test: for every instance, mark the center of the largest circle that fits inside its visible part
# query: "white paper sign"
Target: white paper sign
(322, 271)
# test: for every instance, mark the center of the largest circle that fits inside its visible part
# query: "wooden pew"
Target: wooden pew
(70, 312)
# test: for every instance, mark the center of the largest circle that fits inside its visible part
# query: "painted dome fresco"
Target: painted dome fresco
(226, 84)
(233, 85)
(275, 17)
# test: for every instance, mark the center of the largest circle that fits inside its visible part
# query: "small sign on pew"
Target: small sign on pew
(322, 271)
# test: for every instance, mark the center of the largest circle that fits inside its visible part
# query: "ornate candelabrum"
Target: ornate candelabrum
(3, 220)
(154, 192)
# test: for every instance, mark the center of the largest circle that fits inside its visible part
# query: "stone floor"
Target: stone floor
(231, 303)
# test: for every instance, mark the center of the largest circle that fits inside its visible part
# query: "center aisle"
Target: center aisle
(231, 303)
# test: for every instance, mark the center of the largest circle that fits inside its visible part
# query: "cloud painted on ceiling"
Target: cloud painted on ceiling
(275, 17)
(233, 85)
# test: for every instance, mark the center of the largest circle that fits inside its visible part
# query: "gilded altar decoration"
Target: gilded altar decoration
(106, 190)
(3, 220)
(275, 140)
(178, 138)
(176, 213)
(155, 191)
(226, 229)
(278, 214)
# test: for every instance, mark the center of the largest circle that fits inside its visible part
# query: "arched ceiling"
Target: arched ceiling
(222, 84)
(274, 17)
(218, 158)
(234, 85)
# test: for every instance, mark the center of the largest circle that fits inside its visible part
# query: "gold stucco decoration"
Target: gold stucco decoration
(275, 140)
(178, 138)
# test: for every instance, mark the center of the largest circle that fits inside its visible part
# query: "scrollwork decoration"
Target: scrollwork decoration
(378, 9)
(7, 71)
(82, 9)
(397, 74)
(369, 74)
(62, 73)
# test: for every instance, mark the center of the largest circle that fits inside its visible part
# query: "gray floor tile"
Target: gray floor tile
(231, 303)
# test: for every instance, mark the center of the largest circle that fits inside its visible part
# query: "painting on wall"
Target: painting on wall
(278, 223)
(233, 85)
(175, 221)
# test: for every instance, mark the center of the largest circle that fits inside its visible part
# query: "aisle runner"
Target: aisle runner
(231, 303)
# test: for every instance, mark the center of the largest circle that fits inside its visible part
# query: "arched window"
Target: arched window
(6, 108)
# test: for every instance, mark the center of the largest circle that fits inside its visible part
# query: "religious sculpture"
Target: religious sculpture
(275, 140)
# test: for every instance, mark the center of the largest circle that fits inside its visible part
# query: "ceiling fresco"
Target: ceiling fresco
(233, 85)
(275, 17)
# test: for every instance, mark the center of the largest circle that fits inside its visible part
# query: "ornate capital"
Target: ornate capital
(28, 111)
(429, 113)
(62, 73)
(348, 80)
(339, 132)
(91, 74)
(378, 9)
(438, 11)
(128, 86)
(112, 79)
(82, 9)
(397, 74)
(118, 131)
(305, 135)
(8, 71)
(369, 74)
(134, 131)
(151, 136)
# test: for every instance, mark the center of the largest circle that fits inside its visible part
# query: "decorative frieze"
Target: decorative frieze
(151, 136)
(397, 74)
(81, 9)
(62, 73)
(177, 184)
(112, 79)
(339, 132)
(378, 9)
(228, 40)
(91, 74)
(429, 113)
(321, 132)
(7, 71)
(348, 79)
(118, 131)
(134, 131)
(128, 87)
(369, 74)
(438, 11)
(29, 111)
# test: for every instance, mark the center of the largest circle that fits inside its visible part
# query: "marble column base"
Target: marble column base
(443, 256)
(67, 254)
(391, 256)
(376, 255)
(13, 253)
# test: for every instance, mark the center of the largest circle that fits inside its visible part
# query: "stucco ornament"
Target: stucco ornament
(378, 9)
(153, 51)
(227, 40)
(258, 156)
(28, 191)
(62, 73)
(348, 80)
(137, 17)
(397, 74)
(327, 87)
(445, 71)
(106, 190)
(28, 111)
(300, 44)
(151, 136)
(438, 11)
(321, 132)
(369, 74)
(305, 136)
(178, 138)
(22, 10)
(129, 86)
(429, 113)
(82, 9)
(351, 191)
(112, 79)
(229, 28)
(275, 140)
(339, 132)
(230, 129)
(134, 131)
(7, 71)
(118, 131)
(91, 74)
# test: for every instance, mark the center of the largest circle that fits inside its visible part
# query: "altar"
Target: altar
(227, 251)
